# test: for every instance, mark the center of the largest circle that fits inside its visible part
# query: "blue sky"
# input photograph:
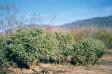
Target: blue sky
(58, 12)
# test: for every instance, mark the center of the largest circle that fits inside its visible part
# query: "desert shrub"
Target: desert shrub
(106, 37)
(49, 48)
(19, 48)
(4, 61)
(26, 47)
(65, 42)
(88, 51)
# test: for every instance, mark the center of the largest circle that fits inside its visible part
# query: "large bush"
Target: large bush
(26, 47)
(65, 42)
(20, 48)
(4, 61)
(88, 51)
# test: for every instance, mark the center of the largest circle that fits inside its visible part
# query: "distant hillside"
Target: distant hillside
(97, 21)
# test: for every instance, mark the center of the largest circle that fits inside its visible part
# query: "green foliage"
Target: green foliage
(19, 47)
(26, 47)
(4, 61)
(64, 43)
(106, 37)
(88, 51)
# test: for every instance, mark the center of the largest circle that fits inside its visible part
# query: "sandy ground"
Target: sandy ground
(105, 67)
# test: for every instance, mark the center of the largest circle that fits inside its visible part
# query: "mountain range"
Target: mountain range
(91, 22)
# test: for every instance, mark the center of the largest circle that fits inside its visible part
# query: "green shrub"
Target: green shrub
(88, 51)
(64, 43)
(4, 61)
(49, 48)
(26, 47)
(106, 37)
(19, 47)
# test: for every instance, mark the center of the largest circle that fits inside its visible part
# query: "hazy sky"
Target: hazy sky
(62, 11)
